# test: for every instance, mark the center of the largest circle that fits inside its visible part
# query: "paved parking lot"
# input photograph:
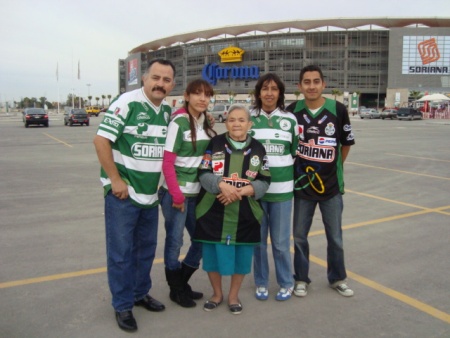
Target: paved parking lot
(396, 234)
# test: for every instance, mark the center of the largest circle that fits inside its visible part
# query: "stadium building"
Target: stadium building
(374, 61)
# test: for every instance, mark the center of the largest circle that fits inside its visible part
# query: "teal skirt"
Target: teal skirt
(227, 260)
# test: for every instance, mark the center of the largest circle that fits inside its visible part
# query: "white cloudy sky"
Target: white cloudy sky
(36, 35)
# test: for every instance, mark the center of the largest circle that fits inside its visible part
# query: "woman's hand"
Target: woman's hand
(178, 206)
(228, 194)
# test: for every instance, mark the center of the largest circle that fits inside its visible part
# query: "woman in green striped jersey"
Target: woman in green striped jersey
(188, 135)
(277, 130)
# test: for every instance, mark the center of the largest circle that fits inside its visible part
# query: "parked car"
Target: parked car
(76, 116)
(93, 110)
(220, 112)
(35, 116)
(409, 114)
(369, 113)
(389, 114)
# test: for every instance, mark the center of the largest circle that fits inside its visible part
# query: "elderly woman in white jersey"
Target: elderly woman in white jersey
(187, 138)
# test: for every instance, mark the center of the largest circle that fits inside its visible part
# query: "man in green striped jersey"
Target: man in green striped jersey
(130, 146)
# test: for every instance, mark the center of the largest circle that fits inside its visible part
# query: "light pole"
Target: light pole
(378, 93)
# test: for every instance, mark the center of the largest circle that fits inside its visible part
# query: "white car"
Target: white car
(369, 113)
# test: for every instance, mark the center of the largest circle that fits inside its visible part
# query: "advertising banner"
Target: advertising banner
(426, 55)
(132, 72)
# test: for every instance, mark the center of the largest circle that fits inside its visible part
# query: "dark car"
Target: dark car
(409, 114)
(76, 116)
(389, 114)
(35, 116)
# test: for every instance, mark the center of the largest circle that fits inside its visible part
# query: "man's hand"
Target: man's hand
(119, 189)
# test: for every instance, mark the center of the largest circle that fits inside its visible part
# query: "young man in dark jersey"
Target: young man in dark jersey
(325, 137)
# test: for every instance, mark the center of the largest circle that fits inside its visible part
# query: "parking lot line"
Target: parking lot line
(61, 276)
(391, 293)
(396, 170)
(358, 278)
(418, 157)
(58, 140)
(438, 210)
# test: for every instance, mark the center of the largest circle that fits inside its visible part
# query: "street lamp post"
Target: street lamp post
(89, 89)
(378, 93)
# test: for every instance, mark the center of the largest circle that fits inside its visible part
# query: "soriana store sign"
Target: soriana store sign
(426, 55)
(212, 72)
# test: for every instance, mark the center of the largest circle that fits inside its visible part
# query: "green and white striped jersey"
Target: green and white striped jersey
(137, 130)
(179, 141)
(278, 132)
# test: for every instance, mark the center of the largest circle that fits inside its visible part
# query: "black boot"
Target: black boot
(187, 272)
(178, 292)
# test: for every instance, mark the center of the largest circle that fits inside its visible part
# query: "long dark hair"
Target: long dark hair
(195, 87)
(267, 78)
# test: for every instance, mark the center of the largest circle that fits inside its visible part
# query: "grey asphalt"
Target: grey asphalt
(396, 238)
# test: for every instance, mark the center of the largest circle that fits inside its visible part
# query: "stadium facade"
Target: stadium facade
(382, 60)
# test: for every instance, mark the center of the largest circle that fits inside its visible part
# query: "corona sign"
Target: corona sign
(212, 72)
(422, 55)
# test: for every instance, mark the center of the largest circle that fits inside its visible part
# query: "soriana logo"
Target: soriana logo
(426, 55)
(429, 51)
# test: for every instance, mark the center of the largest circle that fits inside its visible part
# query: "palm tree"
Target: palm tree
(415, 94)
(103, 101)
(231, 95)
(97, 99)
(215, 93)
(297, 93)
(109, 99)
(90, 98)
(336, 92)
(42, 101)
(251, 95)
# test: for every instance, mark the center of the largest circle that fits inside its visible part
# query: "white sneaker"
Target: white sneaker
(300, 289)
(262, 293)
(343, 289)
(284, 294)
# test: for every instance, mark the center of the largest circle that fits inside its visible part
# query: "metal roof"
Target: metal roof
(304, 25)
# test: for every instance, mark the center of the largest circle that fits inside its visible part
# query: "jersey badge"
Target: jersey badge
(330, 130)
(255, 160)
(285, 124)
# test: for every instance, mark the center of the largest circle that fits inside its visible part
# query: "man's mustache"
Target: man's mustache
(161, 89)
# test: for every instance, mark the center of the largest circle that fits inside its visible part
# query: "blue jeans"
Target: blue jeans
(175, 222)
(131, 235)
(331, 210)
(277, 221)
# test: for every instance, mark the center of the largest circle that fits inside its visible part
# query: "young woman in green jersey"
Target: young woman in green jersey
(277, 130)
(188, 135)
